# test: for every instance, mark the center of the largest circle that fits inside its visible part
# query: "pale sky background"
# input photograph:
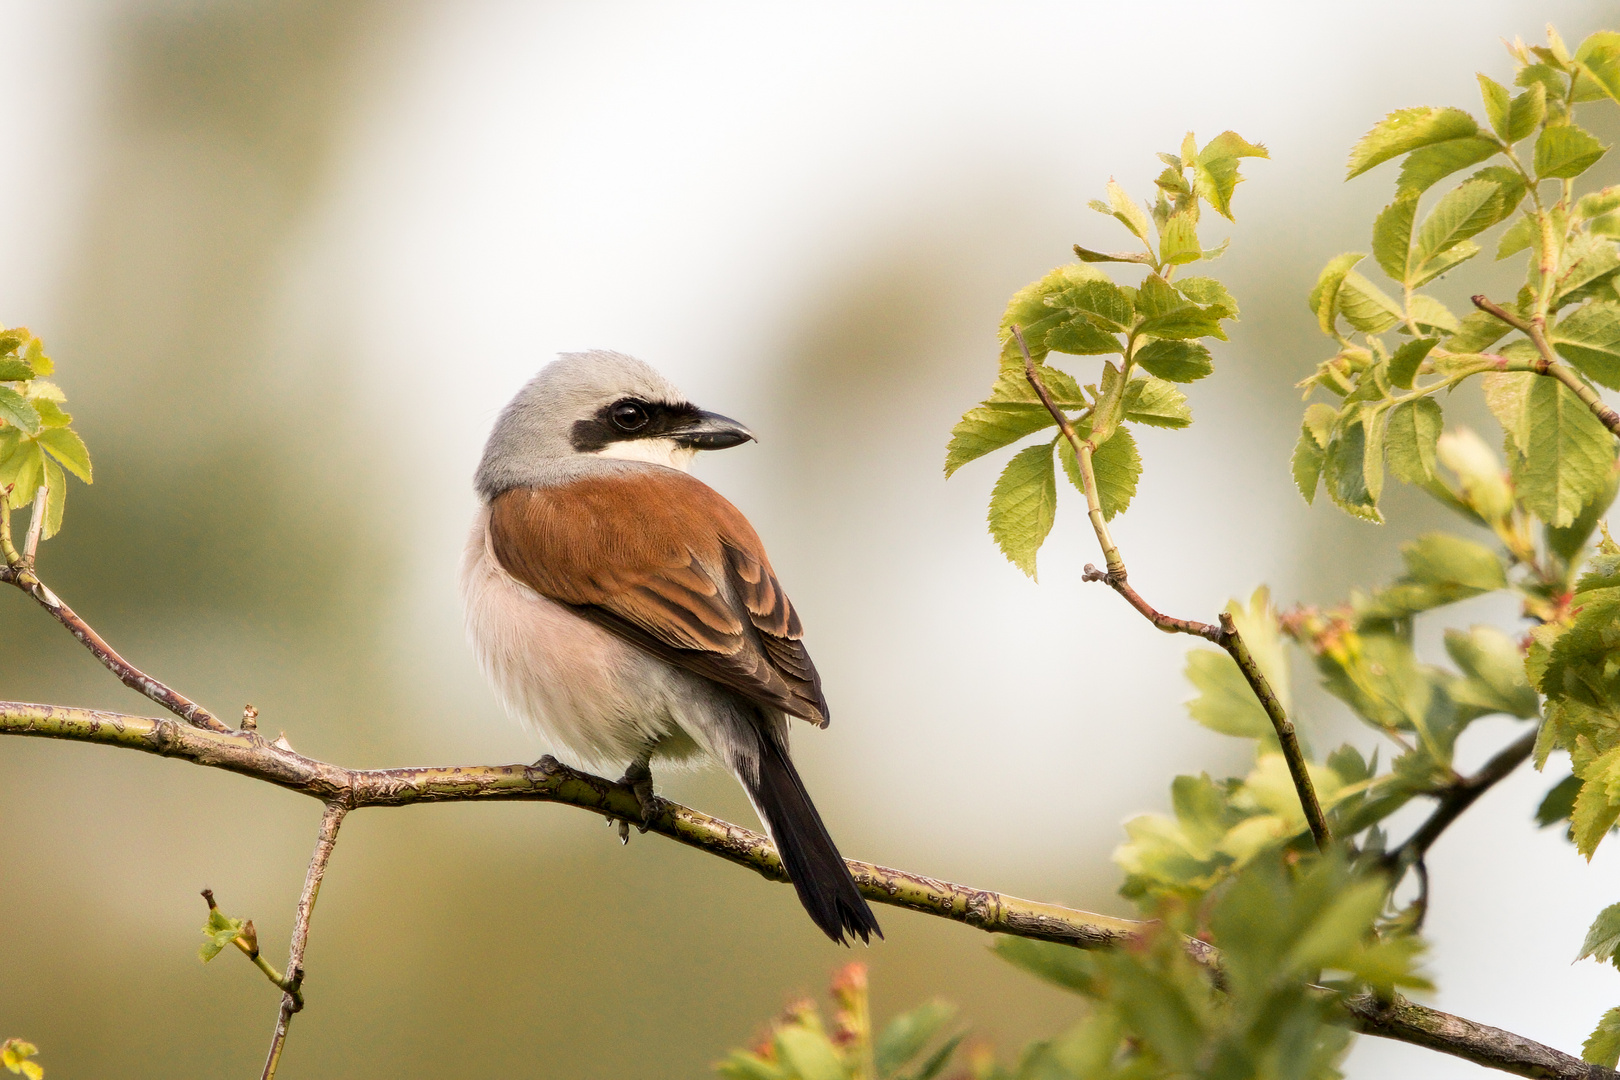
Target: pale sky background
(810, 219)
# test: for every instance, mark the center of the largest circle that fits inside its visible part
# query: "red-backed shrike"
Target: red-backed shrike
(629, 612)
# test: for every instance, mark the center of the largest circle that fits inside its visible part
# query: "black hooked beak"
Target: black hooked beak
(710, 431)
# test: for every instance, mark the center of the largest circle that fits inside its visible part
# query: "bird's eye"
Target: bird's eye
(629, 415)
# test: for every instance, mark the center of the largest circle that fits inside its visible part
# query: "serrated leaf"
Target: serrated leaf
(1175, 361)
(1431, 315)
(1493, 662)
(18, 411)
(1178, 240)
(1365, 306)
(1123, 207)
(1215, 170)
(1498, 100)
(1460, 213)
(1085, 254)
(1564, 151)
(1410, 439)
(1110, 405)
(1403, 366)
(1103, 303)
(1206, 290)
(1011, 412)
(1324, 297)
(1445, 262)
(1596, 808)
(219, 931)
(1603, 937)
(1392, 236)
(1373, 420)
(14, 370)
(55, 498)
(904, 1037)
(1477, 332)
(1157, 403)
(1406, 130)
(1225, 703)
(1344, 471)
(1589, 338)
(24, 469)
(1526, 113)
(1586, 259)
(1424, 168)
(1023, 505)
(51, 414)
(65, 445)
(1570, 455)
(1507, 395)
(1518, 237)
(1116, 465)
(1597, 203)
(1029, 310)
(1307, 464)
(1602, 1047)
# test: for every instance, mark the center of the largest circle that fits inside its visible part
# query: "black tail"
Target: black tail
(813, 864)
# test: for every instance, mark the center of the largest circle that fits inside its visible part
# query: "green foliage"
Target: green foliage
(1155, 327)
(218, 932)
(1285, 928)
(1383, 411)
(15, 1055)
(1603, 1045)
(800, 1046)
(37, 442)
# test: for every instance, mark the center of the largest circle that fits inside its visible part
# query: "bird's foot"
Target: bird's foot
(638, 778)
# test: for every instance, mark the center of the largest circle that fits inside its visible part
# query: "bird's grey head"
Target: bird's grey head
(602, 404)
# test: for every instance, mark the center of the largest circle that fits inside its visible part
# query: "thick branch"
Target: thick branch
(21, 574)
(245, 752)
(1535, 330)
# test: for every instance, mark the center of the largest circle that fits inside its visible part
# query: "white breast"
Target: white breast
(598, 700)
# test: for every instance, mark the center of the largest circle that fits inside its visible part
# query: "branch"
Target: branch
(247, 753)
(1458, 797)
(1535, 329)
(292, 998)
(18, 570)
(1226, 635)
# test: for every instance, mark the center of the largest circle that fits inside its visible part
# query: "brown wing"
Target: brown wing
(661, 559)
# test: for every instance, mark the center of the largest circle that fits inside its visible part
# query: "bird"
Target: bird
(628, 612)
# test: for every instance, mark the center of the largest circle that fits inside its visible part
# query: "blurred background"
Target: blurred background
(292, 256)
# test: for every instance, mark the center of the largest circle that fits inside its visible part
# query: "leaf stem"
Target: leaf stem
(1535, 330)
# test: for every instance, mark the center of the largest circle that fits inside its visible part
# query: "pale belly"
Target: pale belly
(597, 700)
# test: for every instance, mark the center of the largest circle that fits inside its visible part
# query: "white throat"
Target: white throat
(666, 452)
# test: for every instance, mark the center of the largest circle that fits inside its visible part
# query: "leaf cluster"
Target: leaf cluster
(15, 1055)
(38, 445)
(1156, 328)
(1383, 412)
(800, 1046)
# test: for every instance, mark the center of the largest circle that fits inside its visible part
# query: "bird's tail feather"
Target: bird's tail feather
(808, 853)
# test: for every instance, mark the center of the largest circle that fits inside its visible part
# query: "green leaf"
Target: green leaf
(1445, 262)
(1324, 298)
(1564, 151)
(1023, 505)
(66, 446)
(1410, 439)
(1344, 471)
(1424, 168)
(1586, 259)
(1085, 254)
(1061, 965)
(1110, 406)
(1569, 458)
(1117, 466)
(1104, 304)
(18, 411)
(1507, 395)
(1526, 113)
(14, 370)
(51, 414)
(220, 930)
(1432, 316)
(1559, 802)
(24, 469)
(1406, 130)
(809, 1054)
(1365, 306)
(1157, 403)
(1498, 101)
(1495, 668)
(1132, 216)
(1590, 339)
(1190, 321)
(1602, 1047)
(938, 1059)
(1307, 464)
(1178, 240)
(1450, 561)
(1392, 236)
(55, 497)
(1519, 236)
(1215, 170)
(1403, 366)
(1596, 807)
(1224, 702)
(905, 1036)
(1477, 332)
(1030, 311)
(1462, 212)
(1603, 938)
(1175, 361)
(1597, 203)
(1012, 411)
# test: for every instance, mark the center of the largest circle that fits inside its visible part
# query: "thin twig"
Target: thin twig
(292, 1000)
(1226, 635)
(36, 526)
(548, 781)
(1535, 330)
(1458, 797)
(1083, 450)
(248, 942)
(21, 574)
(1233, 643)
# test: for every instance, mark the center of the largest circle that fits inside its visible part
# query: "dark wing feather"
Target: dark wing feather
(663, 561)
